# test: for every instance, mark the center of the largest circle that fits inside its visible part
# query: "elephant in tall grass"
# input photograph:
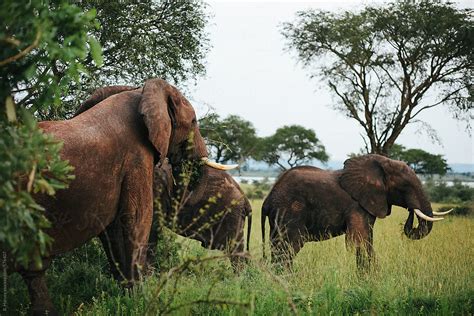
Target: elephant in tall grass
(310, 204)
(211, 208)
(113, 143)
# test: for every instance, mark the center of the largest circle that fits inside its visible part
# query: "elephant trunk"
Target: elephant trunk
(424, 226)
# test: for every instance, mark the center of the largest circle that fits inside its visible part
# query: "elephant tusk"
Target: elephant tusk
(218, 166)
(442, 213)
(427, 218)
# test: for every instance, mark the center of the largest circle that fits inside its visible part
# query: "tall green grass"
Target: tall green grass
(432, 276)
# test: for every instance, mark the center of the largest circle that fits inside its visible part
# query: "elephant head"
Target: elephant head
(169, 118)
(171, 122)
(377, 182)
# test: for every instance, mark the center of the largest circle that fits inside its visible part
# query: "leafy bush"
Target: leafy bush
(167, 251)
(442, 193)
(465, 209)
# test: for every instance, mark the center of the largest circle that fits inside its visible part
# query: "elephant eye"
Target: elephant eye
(194, 121)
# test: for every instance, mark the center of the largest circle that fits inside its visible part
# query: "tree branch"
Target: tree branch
(446, 98)
(23, 52)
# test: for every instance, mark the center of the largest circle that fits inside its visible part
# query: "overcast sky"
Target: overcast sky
(250, 74)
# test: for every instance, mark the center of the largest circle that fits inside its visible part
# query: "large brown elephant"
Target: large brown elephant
(213, 209)
(113, 144)
(311, 204)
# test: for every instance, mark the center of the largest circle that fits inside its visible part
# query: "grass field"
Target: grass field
(433, 276)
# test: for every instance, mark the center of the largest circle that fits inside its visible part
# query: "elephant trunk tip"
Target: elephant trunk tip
(423, 229)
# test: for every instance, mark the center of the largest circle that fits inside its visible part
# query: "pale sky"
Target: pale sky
(250, 74)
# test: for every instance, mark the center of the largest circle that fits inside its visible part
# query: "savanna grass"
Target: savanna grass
(432, 276)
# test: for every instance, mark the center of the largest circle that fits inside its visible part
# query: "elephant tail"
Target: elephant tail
(249, 229)
(249, 222)
(262, 222)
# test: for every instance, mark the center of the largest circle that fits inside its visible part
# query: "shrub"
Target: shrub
(465, 209)
(442, 193)
(167, 250)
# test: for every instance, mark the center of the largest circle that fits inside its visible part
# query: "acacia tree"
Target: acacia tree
(139, 40)
(386, 65)
(229, 139)
(291, 146)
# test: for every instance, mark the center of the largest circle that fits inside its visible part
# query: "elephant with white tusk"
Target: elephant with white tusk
(113, 143)
(311, 204)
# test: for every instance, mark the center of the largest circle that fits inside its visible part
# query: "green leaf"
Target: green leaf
(96, 51)
(28, 119)
(45, 186)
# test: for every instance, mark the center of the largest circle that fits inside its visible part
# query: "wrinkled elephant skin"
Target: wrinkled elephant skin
(311, 204)
(113, 144)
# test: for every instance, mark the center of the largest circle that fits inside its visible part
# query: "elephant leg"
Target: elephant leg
(284, 251)
(152, 241)
(135, 218)
(286, 239)
(35, 280)
(359, 235)
(285, 245)
(112, 239)
(278, 238)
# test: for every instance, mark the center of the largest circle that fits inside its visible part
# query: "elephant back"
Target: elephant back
(100, 95)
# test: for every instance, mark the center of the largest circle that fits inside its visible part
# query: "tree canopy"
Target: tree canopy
(229, 139)
(420, 161)
(386, 65)
(291, 146)
(142, 40)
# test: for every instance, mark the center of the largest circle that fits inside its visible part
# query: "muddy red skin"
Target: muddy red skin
(113, 146)
(311, 204)
(226, 231)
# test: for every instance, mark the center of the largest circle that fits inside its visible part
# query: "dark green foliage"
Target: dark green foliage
(291, 146)
(464, 209)
(167, 251)
(149, 39)
(33, 40)
(81, 275)
(382, 62)
(73, 279)
(229, 139)
(442, 193)
(145, 39)
(420, 161)
(51, 41)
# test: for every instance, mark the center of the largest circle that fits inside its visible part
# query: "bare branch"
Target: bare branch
(445, 99)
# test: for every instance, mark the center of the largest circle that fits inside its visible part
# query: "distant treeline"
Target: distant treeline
(440, 192)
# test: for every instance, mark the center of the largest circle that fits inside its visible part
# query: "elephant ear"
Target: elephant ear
(155, 106)
(364, 179)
